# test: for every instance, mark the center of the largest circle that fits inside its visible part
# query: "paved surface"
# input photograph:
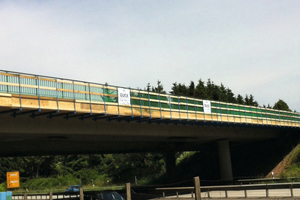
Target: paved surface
(251, 194)
(274, 194)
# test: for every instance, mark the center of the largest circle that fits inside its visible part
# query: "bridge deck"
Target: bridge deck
(42, 94)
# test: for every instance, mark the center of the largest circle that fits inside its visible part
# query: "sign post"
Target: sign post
(13, 179)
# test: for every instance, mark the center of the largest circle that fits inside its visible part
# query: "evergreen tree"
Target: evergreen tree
(148, 87)
(175, 90)
(159, 88)
(182, 89)
(252, 102)
(281, 105)
(200, 90)
(230, 96)
(223, 92)
(240, 99)
(191, 90)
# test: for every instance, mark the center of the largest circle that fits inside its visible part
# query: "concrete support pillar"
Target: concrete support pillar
(170, 166)
(225, 160)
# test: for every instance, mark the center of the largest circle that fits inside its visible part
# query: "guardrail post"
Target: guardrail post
(292, 194)
(267, 190)
(81, 193)
(245, 192)
(164, 195)
(128, 191)
(50, 196)
(192, 194)
(197, 188)
(25, 196)
(226, 195)
(177, 195)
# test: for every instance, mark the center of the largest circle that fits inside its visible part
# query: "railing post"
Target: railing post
(74, 97)
(25, 196)
(128, 191)
(164, 195)
(197, 188)
(292, 194)
(81, 193)
(226, 195)
(90, 98)
(177, 194)
(267, 190)
(39, 92)
(20, 92)
(140, 103)
(50, 196)
(104, 100)
(245, 192)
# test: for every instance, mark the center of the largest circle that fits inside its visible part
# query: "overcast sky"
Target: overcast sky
(251, 46)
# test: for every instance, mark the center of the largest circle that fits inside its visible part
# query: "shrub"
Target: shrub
(2, 187)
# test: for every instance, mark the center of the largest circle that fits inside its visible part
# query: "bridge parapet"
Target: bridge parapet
(55, 96)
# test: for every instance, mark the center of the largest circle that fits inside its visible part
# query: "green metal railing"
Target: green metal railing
(22, 84)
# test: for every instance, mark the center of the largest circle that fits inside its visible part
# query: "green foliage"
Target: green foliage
(144, 166)
(292, 166)
(210, 91)
(281, 105)
(158, 89)
(88, 177)
(2, 187)
(38, 173)
(184, 156)
(292, 171)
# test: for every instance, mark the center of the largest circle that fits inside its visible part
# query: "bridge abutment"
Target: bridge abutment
(225, 160)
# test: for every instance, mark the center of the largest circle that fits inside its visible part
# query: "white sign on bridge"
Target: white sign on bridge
(206, 106)
(123, 96)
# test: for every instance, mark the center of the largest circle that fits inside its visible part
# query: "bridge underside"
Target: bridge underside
(23, 135)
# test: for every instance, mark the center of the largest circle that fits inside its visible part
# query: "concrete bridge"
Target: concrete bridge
(42, 115)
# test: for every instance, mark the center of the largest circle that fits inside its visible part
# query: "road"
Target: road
(231, 195)
(251, 194)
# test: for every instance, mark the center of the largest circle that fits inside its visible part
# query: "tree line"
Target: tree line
(211, 91)
(85, 169)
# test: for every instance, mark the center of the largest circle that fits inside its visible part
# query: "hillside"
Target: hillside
(289, 166)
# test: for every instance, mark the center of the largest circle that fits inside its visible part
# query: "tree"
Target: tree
(223, 93)
(240, 99)
(281, 105)
(230, 96)
(148, 87)
(249, 100)
(182, 89)
(175, 89)
(159, 88)
(179, 89)
(200, 91)
(191, 90)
